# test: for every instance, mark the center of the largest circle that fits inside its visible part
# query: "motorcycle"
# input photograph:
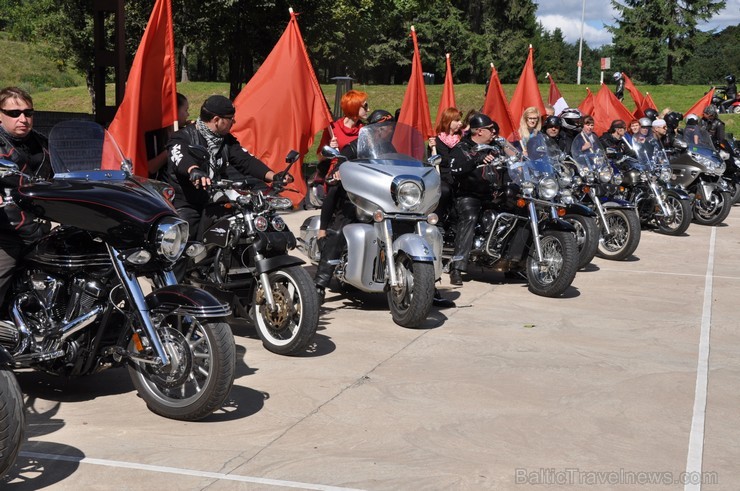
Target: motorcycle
(595, 183)
(395, 246)
(245, 263)
(721, 100)
(698, 170)
(645, 180)
(12, 414)
(730, 153)
(76, 304)
(516, 231)
(581, 217)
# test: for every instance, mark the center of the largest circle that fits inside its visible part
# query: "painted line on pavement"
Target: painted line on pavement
(629, 271)
(696, 437)
(183, 472)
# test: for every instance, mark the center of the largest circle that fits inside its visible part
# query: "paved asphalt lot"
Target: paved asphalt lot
(603, 389)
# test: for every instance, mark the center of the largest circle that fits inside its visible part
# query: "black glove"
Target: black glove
(279, 177)
(196, 175)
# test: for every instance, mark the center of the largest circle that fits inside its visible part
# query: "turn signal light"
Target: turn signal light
(586, 189)
(561, 212)
(521, 202)
(137, 342)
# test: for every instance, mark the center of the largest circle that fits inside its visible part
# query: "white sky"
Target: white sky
(566, 14)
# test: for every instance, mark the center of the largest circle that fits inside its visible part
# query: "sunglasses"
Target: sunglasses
(16, 113)
(365, 106)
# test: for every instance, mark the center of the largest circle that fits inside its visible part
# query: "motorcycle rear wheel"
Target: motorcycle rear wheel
(201, 370)
(680, 218)
(290, 329)
(12, 420)
(714, 213)
(411, 302)
(624, 236)
(556, 272)
(587, 237)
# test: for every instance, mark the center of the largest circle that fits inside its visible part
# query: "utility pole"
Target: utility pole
(580, 47)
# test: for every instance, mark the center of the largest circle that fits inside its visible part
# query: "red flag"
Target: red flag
(636, 95)
(150, 100)
(527, 92)
(606, 109)
(555, 99)
(698, 107)
(282, 107)
(414, 110)
(647, 102)
(587, 106)
(496, 107)
(448, 93)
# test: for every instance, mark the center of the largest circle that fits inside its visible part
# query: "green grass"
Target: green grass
(29, 66)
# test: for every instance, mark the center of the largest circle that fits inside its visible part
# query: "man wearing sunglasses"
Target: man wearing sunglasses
(27, 148)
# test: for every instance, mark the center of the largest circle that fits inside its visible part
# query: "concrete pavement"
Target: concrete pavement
(597, 390)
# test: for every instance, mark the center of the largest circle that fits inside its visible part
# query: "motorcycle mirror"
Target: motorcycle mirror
(611, 153)
(7, 167)
(680, 144)
(199, 152)
(434, 160)
(330, 152)
(292, 156)
(127, 166)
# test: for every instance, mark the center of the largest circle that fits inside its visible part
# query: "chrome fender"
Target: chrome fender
(425, 246)
(362, 254)
(307, 241)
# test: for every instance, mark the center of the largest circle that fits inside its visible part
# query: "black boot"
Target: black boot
(455, 277)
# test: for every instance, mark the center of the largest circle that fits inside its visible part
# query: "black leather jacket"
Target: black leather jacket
(180, 160)
(464, 162)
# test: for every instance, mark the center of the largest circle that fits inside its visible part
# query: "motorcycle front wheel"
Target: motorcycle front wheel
(288, 329)
(12, 420)
(587, 237)
(411, 301)
(715, 210)
(200, 373)
(623, 237)
(555, 273)
(679, 219)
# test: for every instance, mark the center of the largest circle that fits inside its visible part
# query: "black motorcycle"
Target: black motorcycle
(245, 262)
(516, 233)
(76, 304)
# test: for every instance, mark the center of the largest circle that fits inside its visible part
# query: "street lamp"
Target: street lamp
(580, 47)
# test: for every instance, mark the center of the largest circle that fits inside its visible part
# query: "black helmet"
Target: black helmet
(730, 79)
(552, 122)
(672, 119)
(570, 119)
(480, 120)
(710, 110)
(651, 113)
(379, 116)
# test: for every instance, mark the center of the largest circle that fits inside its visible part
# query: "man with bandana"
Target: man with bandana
(191, 177)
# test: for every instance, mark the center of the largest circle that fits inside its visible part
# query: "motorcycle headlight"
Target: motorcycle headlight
(407, 192)
(605, 174)
(707, 162)
(666, 174)
(548, 188)
(171, 237)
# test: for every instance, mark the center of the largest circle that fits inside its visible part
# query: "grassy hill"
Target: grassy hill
(30, 67)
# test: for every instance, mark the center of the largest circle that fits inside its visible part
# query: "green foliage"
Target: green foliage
(30, 67)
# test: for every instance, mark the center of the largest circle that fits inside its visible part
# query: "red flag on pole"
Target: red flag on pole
(698, 107)
(647, 103)
(587, 105)
(150, 100)
(448, 93)
(527, 92)
(555, 99)
(636, 95)
(414, 110)
(282, 107)
(496, 107)
(606, 109)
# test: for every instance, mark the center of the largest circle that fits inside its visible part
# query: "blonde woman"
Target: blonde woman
(529, 125)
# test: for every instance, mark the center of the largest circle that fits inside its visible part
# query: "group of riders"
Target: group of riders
(456, 142)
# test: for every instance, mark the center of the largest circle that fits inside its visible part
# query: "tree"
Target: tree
(652, 37)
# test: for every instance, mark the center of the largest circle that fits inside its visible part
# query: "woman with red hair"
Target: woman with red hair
(344, 130)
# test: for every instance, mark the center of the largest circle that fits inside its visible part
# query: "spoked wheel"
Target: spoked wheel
(679, 217)
(714, 210)
(290, 327)
(411, 301)
(200, 373)
(587, 237)
(623, 237)
(12, 420)
(552, 276)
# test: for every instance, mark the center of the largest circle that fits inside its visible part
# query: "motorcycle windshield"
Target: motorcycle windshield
(82, 146)
(541, 147)
(592, 159)
(389, 143)
(649, 156)
(698, 140)
(528, 170)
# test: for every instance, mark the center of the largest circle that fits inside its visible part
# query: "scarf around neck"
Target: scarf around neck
(215, 145)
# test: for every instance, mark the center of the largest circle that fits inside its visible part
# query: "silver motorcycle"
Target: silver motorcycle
(394, 246)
